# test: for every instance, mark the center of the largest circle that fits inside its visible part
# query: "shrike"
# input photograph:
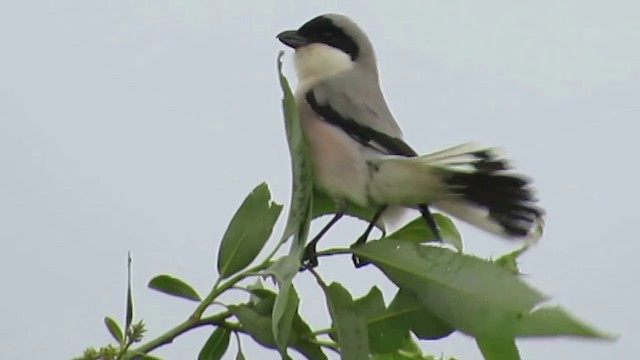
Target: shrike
(359, 156)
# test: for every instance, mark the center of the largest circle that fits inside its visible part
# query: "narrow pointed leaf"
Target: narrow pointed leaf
(216, 346)
(350, 325)
(284, 309)
(173, 286)
(302, 188)
(286, 303)
(553, 321)
(248, 231)
(498, 348)
(470, 294)
(129, 304)
(113, 328)
(417, 230)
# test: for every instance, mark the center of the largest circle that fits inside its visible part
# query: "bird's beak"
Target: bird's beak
(292, 39)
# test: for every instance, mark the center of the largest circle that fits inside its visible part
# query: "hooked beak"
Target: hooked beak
(292, 39)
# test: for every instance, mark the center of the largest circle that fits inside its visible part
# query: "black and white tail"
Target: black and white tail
(469, 182)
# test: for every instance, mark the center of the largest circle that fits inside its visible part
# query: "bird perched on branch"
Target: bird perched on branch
(359, 156)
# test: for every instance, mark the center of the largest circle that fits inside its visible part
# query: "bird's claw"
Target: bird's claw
(310, 258)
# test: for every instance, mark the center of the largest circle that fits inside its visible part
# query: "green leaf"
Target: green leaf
(255, 290)
(553, 321)
(258, 326)
(411, 347)
(498, 348)
(285, 268)
(248, 231)
(129, 304)
(417, 230)
(216, 346)
(510, 261)
(260, 294)
(470, 294)
(173, 286)
(409, 351)
(386, 334)
(405, 308)
(302, 189)
(257, 321)
(305, 340)
(350, 325)
(324, 205)
(113, 328)
(286, 304)
(449, 231)
(284, 309)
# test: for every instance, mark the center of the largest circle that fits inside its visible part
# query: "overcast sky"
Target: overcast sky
(142, 125)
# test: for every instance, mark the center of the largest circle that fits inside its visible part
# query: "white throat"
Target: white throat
(318, 62)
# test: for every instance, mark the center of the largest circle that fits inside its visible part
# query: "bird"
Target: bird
(359, 155)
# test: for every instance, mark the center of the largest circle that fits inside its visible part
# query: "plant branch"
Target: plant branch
(221, 287)
(328, 344)
(322, 331)
(169, 336)
(334, 251)
(196, 320)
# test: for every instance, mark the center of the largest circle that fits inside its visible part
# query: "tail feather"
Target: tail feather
(469, 182)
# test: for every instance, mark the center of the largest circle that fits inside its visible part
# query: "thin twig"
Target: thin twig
(322, 331)
(334, 251)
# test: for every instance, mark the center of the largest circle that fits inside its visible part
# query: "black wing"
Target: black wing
(365, 135)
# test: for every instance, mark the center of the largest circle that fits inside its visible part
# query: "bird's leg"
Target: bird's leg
(310, 258)
(363, 238)
(431, 223)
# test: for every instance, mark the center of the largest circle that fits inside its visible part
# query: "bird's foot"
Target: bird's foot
(310, 257)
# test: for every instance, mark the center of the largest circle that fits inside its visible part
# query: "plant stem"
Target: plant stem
(334, 251)
(220, 287)
(196, 320)
(322, 331)
(328, 344)
(167, 338)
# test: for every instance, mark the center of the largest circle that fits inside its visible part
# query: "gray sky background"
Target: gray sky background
(142, 125)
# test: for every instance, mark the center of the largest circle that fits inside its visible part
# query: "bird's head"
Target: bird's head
(328, 44)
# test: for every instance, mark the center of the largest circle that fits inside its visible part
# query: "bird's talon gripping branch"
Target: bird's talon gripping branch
(310, 257)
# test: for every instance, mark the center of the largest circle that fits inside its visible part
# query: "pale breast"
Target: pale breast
(339, 166)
